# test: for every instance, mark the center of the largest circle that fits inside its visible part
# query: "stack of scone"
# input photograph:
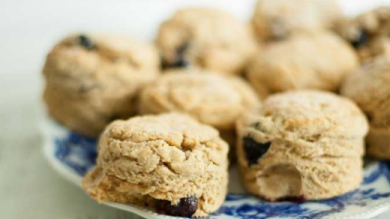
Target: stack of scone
(215, 84)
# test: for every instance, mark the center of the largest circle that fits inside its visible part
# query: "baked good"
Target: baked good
(369, 33)
(277, 19)
(314, 60)
(206, 38)
(369, 88)
(210, 98)
(169, 162)
(302, 145)
(94, 79)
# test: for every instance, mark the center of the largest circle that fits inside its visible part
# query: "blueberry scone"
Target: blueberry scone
(93, 79)
(314, 60)
(369, 88)
(168, 162)
(302, 145)
(205, 38)
(369, 33)
(277, 19)
(210, 98)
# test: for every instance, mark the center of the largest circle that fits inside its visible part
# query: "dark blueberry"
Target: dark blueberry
(361, 40)
(254, 150)
(295, 199)
(185, 208)
(180, 61)
(86, 42)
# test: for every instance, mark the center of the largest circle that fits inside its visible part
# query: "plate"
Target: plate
(72, 155)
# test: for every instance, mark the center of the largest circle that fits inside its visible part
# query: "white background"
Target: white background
(29, 188)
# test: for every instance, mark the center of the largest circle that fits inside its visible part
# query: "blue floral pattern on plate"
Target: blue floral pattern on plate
(77, 154)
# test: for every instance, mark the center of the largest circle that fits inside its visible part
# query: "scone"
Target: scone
(302, 145)
(205, 38)
(92, 79)
(210, 98)
(369, 33)
(277, 19)
(369, 88)
(168, 162)
(313, 60)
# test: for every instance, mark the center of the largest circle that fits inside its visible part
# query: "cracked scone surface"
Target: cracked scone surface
(302, 144)
(206, 38)
(369, 88)
(277, 19)
(369, 33)
(304, 60)
(210, 98)
(94, 79)
(145, 160)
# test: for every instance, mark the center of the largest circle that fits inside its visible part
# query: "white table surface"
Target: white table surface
(29, 187)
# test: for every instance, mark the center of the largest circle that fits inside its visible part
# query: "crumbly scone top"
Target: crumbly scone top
(374, 22)
(304, 60)
(207, 36)
(176, 129)
(276, 19)
(369, 32)
(210, 98)
(308, 114)
(95, 56)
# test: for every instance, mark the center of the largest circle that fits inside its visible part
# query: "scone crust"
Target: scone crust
(304, 60)
(207, 38)
(276, 19)
(316, 144)
(369, 32)
(168, 157)
(87, 87)
(369, 88)
(210, 98)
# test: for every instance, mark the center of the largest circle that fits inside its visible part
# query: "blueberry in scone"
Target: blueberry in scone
(254, 150)
(93, 79)
(85, 42)
(206, 38)
(368, 32)
(369, 88)
(302, 145)
(168, 162)
(312, 60)
(185, 208)
(278, 19)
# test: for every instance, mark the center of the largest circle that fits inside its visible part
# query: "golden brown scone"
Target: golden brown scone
(315, 60)
(277, 19)
(369, 88)
(206, 38)
(92, 79)
(306, 145)
(369, 33)
(170, 162)
(210, 98)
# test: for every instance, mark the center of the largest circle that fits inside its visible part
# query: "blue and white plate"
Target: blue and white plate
(72, 155)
